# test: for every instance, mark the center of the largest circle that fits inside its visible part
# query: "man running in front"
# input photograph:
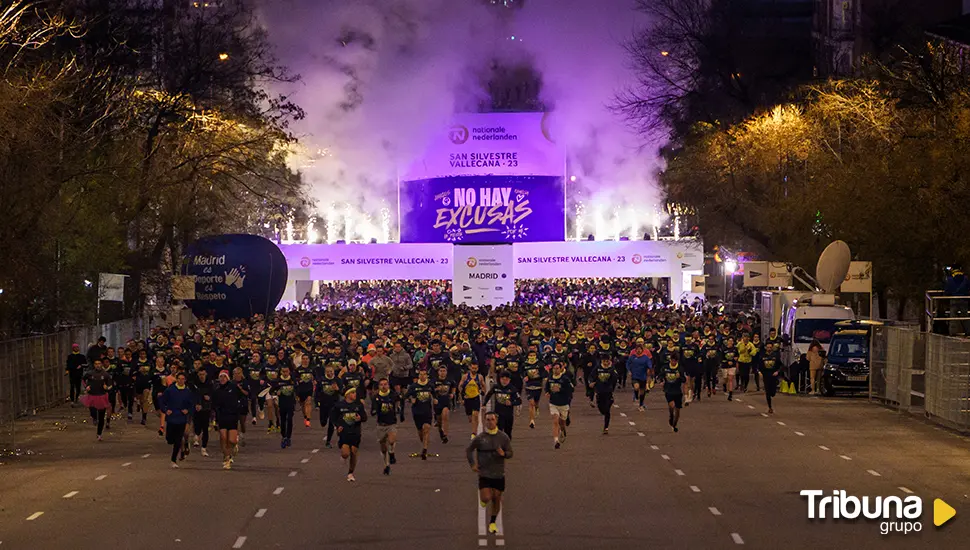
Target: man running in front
(487, 454)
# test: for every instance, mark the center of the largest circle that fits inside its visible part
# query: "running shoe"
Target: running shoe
(424, 454)
(444, 439)
(569, 420)
(196, 443)
(107, 425)
(175, 466)
(142, 422)
(306, 422)
(387, 470)
(492, 528)
(205, 453)
(235, 449)
(473, 437)
(675, 429)
(393, 459)
(351, 478)
(557, 445)
(226, 464)
(254, 421)
(269, 429)
(283, 443)
(99, 438)
(606, 431)
(161, 432)
(641, 408)
(482, 503)
(532, 425)
(771, 411)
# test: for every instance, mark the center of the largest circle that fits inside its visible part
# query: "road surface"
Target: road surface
(730, 477)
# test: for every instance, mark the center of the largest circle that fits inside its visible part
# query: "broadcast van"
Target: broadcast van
(810, 317)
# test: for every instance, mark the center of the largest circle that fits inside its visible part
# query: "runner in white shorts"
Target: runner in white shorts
(559, 388)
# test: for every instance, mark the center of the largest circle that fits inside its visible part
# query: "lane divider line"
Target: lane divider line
(34, 516)
(304, 461)
(278, 491)
(654, 447)
(679, 472)
(623, 415)
(824, 448)
(641, 434)
(695, 488)
(260, 513)
(499, 542)
(146, 455)
(843, 457)
(737, 538)
(100, 477)
(764, 415)
(240, 541)
(665, 457)
(800, 433)
(315, 451)
(906, 490)
(874, 473)
(293, 473)
(483, 542)
(751, 407)
(71, 494)
(714, 511)
(126, 464)
(781, 423)
(632, 423)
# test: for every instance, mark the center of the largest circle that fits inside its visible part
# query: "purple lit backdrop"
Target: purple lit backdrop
(483, 209)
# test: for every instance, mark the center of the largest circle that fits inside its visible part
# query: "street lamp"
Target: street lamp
(730, 266)
(223, 56)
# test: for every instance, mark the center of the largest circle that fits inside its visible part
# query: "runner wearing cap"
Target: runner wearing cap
(348, 415)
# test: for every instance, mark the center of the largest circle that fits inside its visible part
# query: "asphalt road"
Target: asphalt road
(731, 476)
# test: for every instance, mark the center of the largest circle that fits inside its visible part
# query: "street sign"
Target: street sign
(859, 278)
(756, 274)
(698, 284)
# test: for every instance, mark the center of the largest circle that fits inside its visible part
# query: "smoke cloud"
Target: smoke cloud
(380, 77)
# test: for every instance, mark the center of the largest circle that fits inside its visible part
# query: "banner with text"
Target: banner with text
(483, 209)
(482, 144)
(359, 262)
(606, 259)
(483, 275)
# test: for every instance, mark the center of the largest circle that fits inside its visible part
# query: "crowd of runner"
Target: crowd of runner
(343, 368)
(589, 293)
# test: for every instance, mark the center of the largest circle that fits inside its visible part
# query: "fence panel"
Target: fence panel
(948, 381)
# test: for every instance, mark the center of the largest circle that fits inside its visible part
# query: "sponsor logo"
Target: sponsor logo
(466, 287)
(900, 515)
(504, 275)
(304, 262)
(458, 134)
(483, 275)
(680, 255)
(636, 258)
(471, 262)
(498, 288)
(467, 297)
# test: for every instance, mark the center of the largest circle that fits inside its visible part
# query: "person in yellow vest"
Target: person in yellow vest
(471, 387)
(746, 351)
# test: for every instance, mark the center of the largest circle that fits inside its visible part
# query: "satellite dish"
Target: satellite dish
(833, 265)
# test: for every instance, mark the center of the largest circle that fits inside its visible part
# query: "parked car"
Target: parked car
(847, 359)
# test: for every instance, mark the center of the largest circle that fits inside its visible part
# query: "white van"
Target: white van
(811, 317)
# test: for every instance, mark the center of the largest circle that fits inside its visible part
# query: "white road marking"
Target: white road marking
(482, 522)
(679, 472)
(874, 473)
(641, 434)
(126, 464)
(240, 541)
(100, 477)
(632, 423)
(695, 488)
(293, 473)
(781, 423)
(823, 447)
(278, 491)
(616, 406)
(751, 407)
(764, 415)
(654, 447)
(34, 516)
(665, 457)
(737, 538)
(71, 494)
(483, 542)
(714, 511)
(906, 490)
(499, 525)
(315, 451)
(739, 400)
(261, 512)
(623, 415)
(146, 455)
(843, 457)
(499, 542)
(304, 461)
(800, 433)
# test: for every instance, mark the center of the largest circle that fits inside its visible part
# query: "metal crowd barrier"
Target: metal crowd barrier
(923, 374)
(32, 374)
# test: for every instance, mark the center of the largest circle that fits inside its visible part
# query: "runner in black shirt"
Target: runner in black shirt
(603, 385)
(328, 391)
(506, 399)
(674, 382)
(383, 407)
(421, 394)
(284, 390)
(444, 390)
(771, 371)
(348, 415)
(533, 373)
(559, 388)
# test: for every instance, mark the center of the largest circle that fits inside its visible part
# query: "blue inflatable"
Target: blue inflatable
(235, 276)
